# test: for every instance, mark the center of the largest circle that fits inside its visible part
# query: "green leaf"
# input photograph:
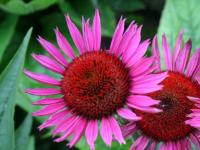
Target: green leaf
(22, 8)
(22, 134)
(8, 85)
(181, 14)
(129, 5)
(31, 143)
(7, 28)
(82, 145)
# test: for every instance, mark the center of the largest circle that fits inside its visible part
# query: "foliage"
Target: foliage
(17, 16)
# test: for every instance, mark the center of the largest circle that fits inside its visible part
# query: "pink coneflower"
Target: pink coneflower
(97, 84)
(177, 126)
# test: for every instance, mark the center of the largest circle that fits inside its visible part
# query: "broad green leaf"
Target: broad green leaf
(181, 14)
(7, 28)
(22, 134)
(31, 143)
(8, 85)
(22, 8)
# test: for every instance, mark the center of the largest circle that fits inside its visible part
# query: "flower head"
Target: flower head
(96, 84)
(177, 125)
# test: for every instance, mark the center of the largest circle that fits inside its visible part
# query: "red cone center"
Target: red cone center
(170, 123)
(95, 85)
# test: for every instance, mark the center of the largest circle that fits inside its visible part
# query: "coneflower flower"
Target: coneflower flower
(177, 126)
(97, 84)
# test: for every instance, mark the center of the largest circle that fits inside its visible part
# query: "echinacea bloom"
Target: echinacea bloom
(177, 126)
(95, 85)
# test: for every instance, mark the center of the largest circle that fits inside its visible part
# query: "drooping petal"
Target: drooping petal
(195, 140)
(129, 129)
(50, 109)
(140, 143)
(106, 131)
(78, 133)
(48, 101)
(91, 133)
(48, 63)
(127, 114)
(53, 51)
(69, 131)
(96, 29)
(42, 78)
(76, 35)
(116, 130)
(54, 119)
(43, 91)
(166, 53)
(64, 44)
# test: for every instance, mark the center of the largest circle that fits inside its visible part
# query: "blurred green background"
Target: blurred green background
(18, 130)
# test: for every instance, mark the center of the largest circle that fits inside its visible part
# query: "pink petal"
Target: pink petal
(54, 119)
(141, 66)
(183, 57)
(96, 29)
(42, 78)
(193, 65)
(166, 53)
(156, 53)
(91, 133)
(127, 114)
(145, 88)
(43, 91)
(195, 140)
(64, 44)
(141, 100)
(76, 35)
(129, 129)
(50, 109)
(139, 53)
(152, 146)
(69, 131)
(48, 63)
(117, 37)
(78, 133)
(106, 131)
(116, 130)
(88, 36)
(177, 48)
(53, 51)
(152, 79)
(194, 99)
(145, 109)
(133, 45)
(140, 144)
(126, 39)
(65, 124)
(48, 101)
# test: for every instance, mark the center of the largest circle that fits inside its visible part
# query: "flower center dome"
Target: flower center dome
(96, 84)
(169, 124)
